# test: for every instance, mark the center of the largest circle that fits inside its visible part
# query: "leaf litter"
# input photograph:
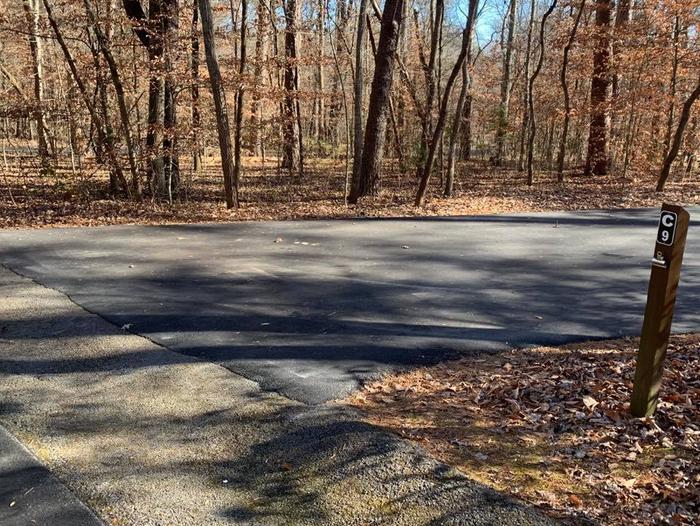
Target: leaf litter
(552, 426)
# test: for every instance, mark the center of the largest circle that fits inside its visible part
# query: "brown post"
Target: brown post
(661, 298)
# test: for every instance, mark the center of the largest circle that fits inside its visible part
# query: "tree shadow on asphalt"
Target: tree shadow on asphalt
(316, 336)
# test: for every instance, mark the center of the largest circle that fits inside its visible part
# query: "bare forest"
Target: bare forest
(114, 111)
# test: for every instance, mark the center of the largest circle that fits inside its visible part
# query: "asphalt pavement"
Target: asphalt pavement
(31, 494)
(311, 309)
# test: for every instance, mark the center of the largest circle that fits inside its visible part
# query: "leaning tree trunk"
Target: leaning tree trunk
(677, 137)
(379, 103)
(217, 88)
(104, 138)
(427, 168)
(121, 97)
(597, 160)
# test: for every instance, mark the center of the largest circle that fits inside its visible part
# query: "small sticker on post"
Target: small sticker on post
(667, 228)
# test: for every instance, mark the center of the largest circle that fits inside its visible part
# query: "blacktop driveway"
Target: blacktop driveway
(310, 309)
(221, 417)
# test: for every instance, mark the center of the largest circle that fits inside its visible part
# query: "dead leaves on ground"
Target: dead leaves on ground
(551, 426)
(269, 194)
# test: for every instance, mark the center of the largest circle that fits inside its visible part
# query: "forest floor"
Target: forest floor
(551, 426)
(80, 199)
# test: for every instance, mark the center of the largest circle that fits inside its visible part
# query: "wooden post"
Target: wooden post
(661, 299)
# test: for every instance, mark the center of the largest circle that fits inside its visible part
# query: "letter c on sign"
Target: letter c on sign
(667, 220)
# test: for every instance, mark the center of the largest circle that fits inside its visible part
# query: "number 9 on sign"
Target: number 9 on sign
(667, 228)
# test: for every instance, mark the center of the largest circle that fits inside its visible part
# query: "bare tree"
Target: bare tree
(105, 138)
(457, 126)
(219, 94)
(677, 137)
(239, 95)
(525, 123)
(121, 97)
(379, 103)
(194, 73)
(597, 160)
(531, 97)
(442, 114)
(567, 97)
(359, 86)
(31, 10)
(171, 165)
(291, 154)
(506, 83)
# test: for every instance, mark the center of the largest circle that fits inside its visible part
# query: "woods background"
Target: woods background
(327, 102)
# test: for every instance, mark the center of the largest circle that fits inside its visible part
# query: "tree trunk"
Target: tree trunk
(672, 87)
(524, 126)
(531, 101)
(150, 31)
(121, 98)
(677, 137)
(31, 10)
(256, 119)
(291, 153)
(219, 94)
(194, 69)
(239, 96)
(442, 115)
(506, 85)
(319, 120)
(457, 127)
(567, 98)
(467, 123)
(104, 138)
(359, 86)
(598, 161)
(379, 103)
(171, 165)
(622, 17)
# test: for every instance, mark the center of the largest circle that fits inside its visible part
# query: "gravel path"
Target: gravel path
(147, 436)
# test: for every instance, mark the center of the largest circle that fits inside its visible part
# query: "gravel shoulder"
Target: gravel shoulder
(147, 436)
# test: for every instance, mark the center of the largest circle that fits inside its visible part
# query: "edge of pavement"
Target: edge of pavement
(31, 494)
(148, 436)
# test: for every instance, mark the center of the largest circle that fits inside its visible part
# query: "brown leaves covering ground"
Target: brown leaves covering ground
(551, 426)
(68, 199)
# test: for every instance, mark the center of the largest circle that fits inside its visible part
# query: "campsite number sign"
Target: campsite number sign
(667, 227)
(661, 298)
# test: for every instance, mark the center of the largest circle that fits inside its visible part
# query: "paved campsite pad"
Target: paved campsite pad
(310, 309)
(147, 436)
